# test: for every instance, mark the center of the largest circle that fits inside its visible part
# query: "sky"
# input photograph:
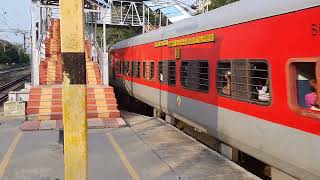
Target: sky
(15, 14)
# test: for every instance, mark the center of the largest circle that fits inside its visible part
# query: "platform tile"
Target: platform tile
(48, 125)
(121, 122)
(59, 124)
(110, 122)
(95, 124)
(30, 126)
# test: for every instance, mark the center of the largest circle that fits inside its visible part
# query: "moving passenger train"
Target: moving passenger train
(241, 73)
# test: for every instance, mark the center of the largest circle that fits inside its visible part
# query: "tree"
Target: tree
(116, 34)
(10, 53)
(218, 3)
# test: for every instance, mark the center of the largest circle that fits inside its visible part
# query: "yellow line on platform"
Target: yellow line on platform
(6, 159)
(123, 158)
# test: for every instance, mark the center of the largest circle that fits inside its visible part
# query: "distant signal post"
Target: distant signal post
(74, 90)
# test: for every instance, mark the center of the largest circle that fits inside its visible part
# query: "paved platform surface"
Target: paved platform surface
(147, 149)
(94, 123)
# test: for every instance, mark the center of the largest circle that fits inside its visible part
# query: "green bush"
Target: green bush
(10, 53)
(218, 3)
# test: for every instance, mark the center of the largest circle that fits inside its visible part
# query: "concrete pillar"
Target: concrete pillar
(35, 52)
(143, 18)
(74, 90)
(279, 175)
(229, 152)
(95, 26)
(40, 23)
(105, 60)
(105, 68)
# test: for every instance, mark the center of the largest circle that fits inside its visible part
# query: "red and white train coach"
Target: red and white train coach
(244, 73)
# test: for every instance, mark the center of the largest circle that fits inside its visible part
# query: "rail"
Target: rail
(10, 86)
(13, 67)
(11, 70)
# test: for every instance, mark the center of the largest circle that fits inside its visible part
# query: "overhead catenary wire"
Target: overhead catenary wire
(5, 21)
(9, 21)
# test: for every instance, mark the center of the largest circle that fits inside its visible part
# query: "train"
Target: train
(240, 73)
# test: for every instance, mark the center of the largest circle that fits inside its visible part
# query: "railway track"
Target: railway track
(12, 86)
(4, 72)
(13, 67)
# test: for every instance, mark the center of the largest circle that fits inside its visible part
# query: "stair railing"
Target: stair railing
(99, 58)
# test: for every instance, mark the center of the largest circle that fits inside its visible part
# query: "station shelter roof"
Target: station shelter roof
(173, 11)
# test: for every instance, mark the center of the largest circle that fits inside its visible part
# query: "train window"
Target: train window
(118, 67)
(172, 73)
(126, 68)
(136, 69)
(121, 67)
(194, 75)
(144, 70)
(160, 72)
(224, 78)
(246, 80)
(151, 70)
(306, 85)
(167, 72)
(133, 64)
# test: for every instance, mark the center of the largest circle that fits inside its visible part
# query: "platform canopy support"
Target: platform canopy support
(74, 90)
(35, 53)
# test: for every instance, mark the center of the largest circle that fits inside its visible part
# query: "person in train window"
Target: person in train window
(161, 77)
(311, 98)
(264, 95)
(227, 89)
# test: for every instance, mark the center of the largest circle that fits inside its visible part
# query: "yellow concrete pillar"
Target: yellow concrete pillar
(74, 90)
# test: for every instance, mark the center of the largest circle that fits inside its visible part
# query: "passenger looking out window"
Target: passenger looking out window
(167, 72)
(259, 79)
(263, 92)
(224, 78)
(244, 79)
(160, 69)
(310, 98)
(126, 68)
(306, 85)
(226, 90)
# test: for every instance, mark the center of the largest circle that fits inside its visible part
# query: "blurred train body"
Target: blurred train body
(182, 70)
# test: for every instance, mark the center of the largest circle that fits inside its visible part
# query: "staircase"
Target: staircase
(45, 101)
(51, 67)
(92, 67)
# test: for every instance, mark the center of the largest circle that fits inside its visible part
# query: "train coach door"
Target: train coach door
(161, 78)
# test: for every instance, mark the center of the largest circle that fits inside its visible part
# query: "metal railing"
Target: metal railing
(100, 58)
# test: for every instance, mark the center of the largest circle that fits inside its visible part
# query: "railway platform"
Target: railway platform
(147, 148)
